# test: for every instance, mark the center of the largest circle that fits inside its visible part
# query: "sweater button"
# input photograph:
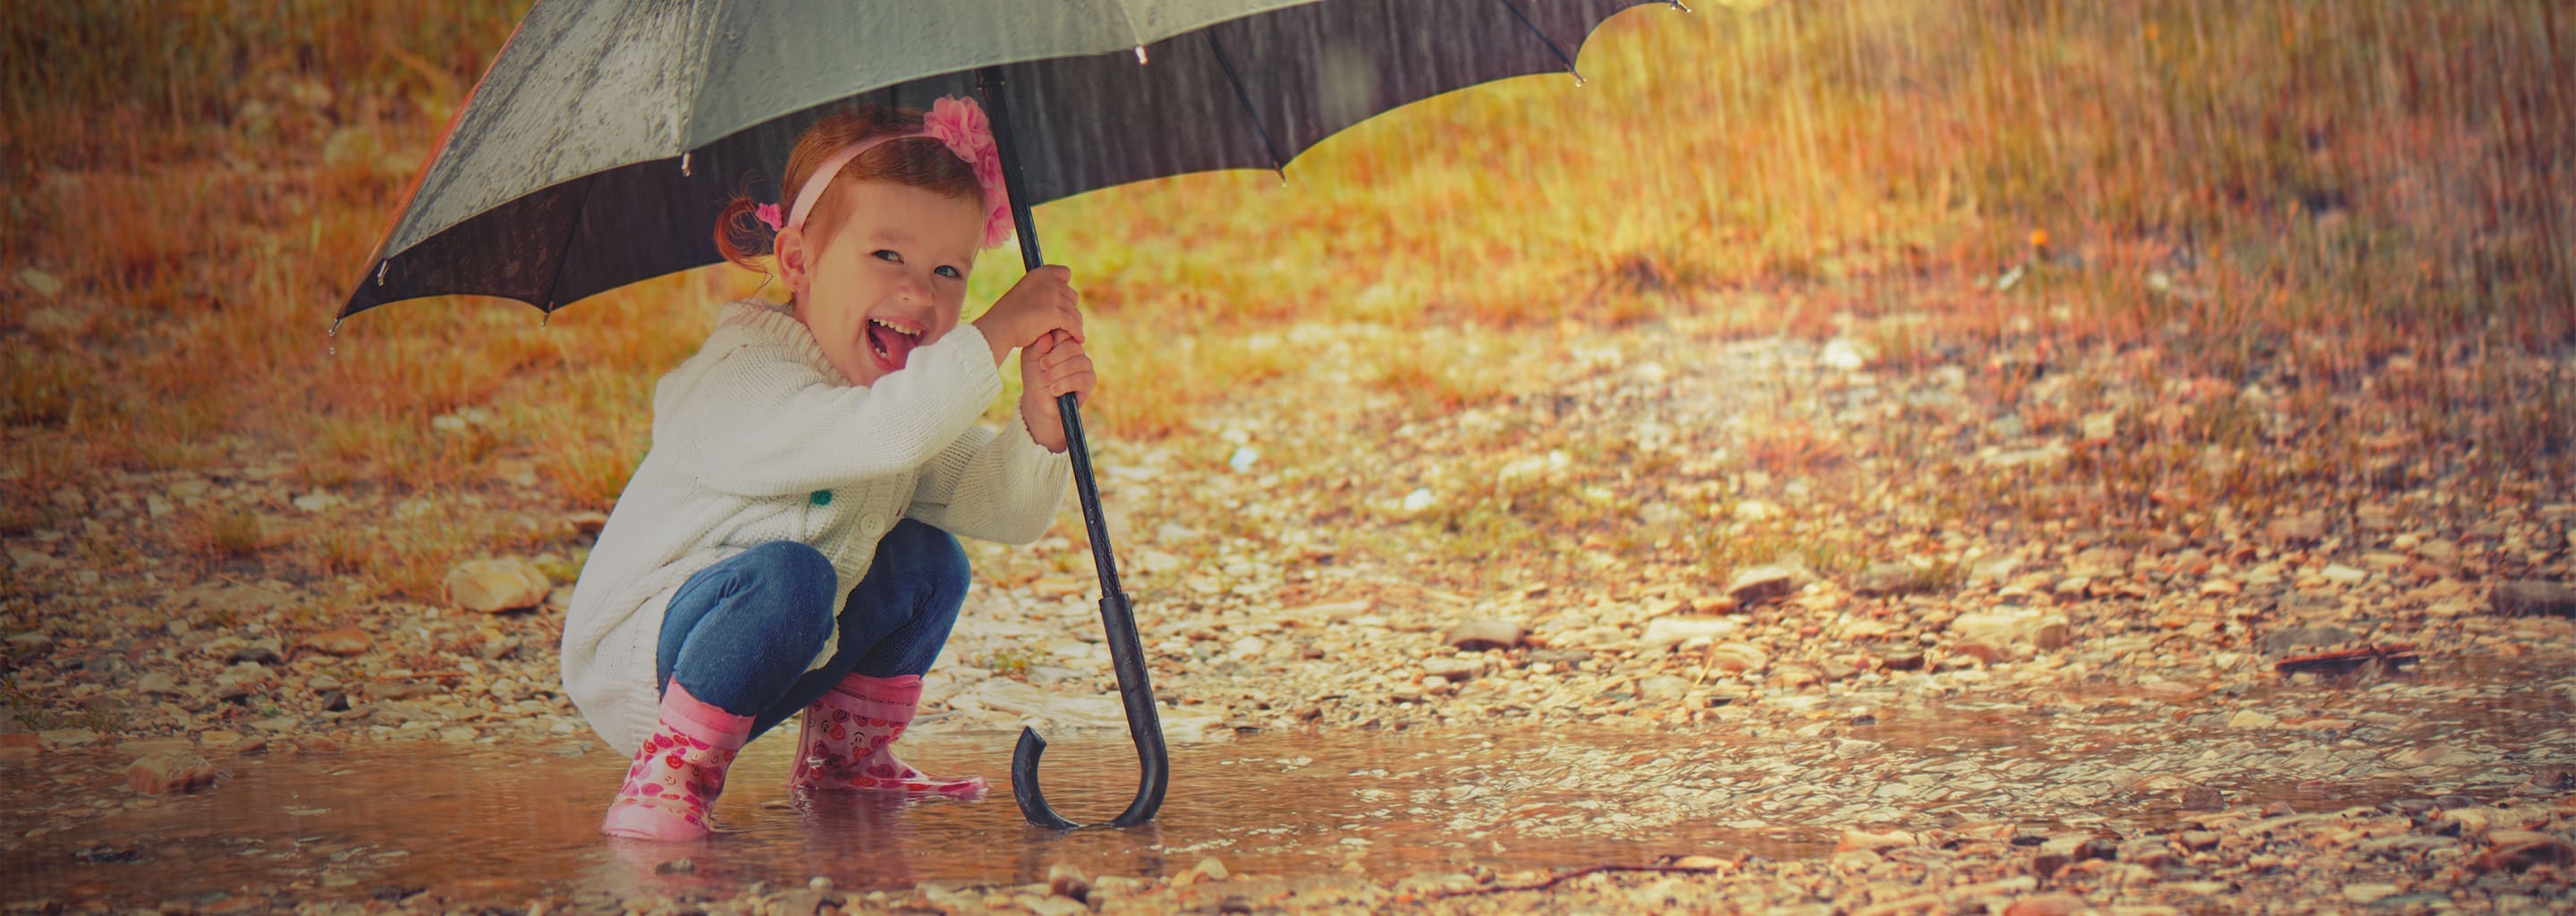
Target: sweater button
(820, 498)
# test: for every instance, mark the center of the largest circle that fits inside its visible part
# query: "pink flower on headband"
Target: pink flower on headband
(960, 124)
(768, 214)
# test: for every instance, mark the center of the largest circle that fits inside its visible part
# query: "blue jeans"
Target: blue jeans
(739, 634)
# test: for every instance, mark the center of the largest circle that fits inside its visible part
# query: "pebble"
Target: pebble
(1762, 583)
(2251, 719)
(496, 586)
(1484, 635)
(163, 772)
(1666, 632)
(343, 642)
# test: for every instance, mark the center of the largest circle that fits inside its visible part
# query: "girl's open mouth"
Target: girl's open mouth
(890, 344)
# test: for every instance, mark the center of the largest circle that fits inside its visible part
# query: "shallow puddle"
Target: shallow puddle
(505, 825)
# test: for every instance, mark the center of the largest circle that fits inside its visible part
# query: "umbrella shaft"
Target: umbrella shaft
(1094, 525)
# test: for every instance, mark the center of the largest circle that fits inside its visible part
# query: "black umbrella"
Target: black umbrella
(607, 136)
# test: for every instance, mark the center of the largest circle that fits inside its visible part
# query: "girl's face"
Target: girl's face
(891, 278)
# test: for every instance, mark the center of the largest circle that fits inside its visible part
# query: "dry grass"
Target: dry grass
(2240, 191)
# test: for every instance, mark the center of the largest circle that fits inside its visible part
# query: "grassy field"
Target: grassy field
(2229, 190)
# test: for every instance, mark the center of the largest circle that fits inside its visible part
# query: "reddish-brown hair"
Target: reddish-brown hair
(920, 162)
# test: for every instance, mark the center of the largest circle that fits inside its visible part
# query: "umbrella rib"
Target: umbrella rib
(1278, 163)
(1543, 38)
(580, 215)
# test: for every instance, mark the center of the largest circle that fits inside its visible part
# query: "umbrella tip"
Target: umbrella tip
(1140, 55)
(1679, 5)
(684, 165)
(380, 270)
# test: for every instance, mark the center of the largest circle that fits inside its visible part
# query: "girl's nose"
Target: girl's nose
(913, 288)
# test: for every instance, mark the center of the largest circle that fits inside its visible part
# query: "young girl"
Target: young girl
(788, 543)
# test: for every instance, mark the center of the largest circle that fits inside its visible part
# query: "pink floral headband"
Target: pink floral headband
(960, 125)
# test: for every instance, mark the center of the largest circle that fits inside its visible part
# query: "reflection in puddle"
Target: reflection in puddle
(482, 824)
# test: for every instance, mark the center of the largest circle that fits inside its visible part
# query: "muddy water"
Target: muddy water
(475, 823)
(510, 824)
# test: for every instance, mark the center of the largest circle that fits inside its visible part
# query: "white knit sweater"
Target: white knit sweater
(757, 438)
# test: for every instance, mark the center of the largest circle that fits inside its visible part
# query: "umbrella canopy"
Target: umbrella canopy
(607, 136)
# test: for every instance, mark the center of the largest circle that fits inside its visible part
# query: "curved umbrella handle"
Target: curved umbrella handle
(1126, 654)
(1144, 726)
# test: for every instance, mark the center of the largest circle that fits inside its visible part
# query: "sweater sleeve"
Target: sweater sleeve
(1001, 488)
(755, 421)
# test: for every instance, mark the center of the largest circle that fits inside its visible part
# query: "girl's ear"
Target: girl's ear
(792, 258)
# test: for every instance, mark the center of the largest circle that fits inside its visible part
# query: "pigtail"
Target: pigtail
(740, 235)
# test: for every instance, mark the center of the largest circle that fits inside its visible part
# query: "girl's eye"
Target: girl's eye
(887, 254)
(951, 273)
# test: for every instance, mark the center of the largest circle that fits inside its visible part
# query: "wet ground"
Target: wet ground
(506, 824)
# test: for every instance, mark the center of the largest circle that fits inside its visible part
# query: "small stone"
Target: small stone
(2519, 850)
(2340, 574)
(1485, 636)
(1873, 842)
(318, 501)
(1886, 579)
(259, 651)
(343, 642)
(1209, 869)
(1050, 906)
(2531, 596)
(496, 586)
(158, 682)
(1761, 583)
(1067, 881)
(2197, 797)
(1666, 632)
(1737, 658)
(164, 772)
(1984, 653)
(589, 523)
(2247, 718)
(218, 739)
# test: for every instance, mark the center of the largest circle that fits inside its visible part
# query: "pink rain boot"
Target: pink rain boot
(847, 742)
(678, 771)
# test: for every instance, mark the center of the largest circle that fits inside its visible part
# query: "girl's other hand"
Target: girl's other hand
(1054, 365)
(1043, 302)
